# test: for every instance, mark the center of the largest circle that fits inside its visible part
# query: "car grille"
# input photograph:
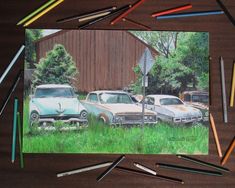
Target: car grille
(57, 118)
(133, 118)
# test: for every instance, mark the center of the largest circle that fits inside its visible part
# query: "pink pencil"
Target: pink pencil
(124, 14)
(164, 12)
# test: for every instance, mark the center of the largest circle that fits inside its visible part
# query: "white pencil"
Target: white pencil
(146, 169)
(223, 90)
(12, 63)
(84, 169)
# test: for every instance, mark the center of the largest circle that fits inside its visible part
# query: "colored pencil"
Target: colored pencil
(13, 87)
(136, 24)
(203, 163)
(94, 16)
(190, 170)
(14, 130)
(232, 87)
(124, 14)
(20, 140)
(229, 16)
(12, 63)
(71, 18)
(43, 12)
(224, 96)
(137, 172)
(146, 169)
(107, 16)
(228, 152)
(36, 12)
(190, 14)
(84, 169)
(212, 122)
(108, 170)
(176, 9)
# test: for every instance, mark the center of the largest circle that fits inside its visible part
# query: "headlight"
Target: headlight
(83, 114)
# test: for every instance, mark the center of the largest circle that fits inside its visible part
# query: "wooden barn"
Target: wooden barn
(105, 59)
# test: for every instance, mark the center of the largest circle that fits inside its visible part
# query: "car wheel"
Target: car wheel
(34, 117)
(104, 119)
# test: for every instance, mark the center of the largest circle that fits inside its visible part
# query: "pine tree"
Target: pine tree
(57, 67)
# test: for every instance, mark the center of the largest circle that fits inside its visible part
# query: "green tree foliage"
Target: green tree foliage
(183, 66)
(31, 35)
(57, 67)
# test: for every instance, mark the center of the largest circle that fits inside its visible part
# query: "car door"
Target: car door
(150, 103)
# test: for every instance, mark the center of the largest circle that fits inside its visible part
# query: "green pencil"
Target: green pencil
(190, 170)
(36, 11)
(13, 148)
(203, 163)
(20, 141)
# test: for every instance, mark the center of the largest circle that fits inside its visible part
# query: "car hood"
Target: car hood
(183, 110)
(57, 105)
(126, 109)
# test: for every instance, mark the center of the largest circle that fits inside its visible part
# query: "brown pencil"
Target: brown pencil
(228, 152)
(212, 122)
(136, 23)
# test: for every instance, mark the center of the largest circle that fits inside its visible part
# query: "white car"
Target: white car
(171, 109)
(53, 102)
(117, 107)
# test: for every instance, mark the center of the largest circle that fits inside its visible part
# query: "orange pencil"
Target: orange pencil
(228, 152)
(124, 14)
(164, 12)
(136, 24)
(215, 135)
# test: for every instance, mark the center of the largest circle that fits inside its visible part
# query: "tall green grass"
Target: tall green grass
(101, 138)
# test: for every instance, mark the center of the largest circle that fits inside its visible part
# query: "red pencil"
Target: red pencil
(124, 14)
(176, 9)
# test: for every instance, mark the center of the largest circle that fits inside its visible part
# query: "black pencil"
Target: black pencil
(203, 163)
(141, 173)
(11, 91)
(75, 17)
(109, 169)
(190, 170)
(104, 17)
(222, 6)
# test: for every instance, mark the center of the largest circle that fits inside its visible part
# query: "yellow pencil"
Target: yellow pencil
(232, 87)
(215, 135)
(228, 152)
(43, 12)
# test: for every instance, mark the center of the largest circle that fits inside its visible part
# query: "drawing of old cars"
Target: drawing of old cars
(171, 109)
(55, 102)
(117, 108)
(199, 100)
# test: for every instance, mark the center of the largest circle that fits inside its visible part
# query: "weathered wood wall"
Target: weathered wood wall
(105, 59)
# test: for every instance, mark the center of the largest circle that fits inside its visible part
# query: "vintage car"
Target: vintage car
(199, 100)
(171, 109)
(53, 102)
(117, 108)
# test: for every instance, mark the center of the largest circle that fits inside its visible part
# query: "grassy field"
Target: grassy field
(161, 138)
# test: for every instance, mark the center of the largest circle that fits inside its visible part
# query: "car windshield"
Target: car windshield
(200, 98)
(170, 101)
(112, 98)
(54, 92)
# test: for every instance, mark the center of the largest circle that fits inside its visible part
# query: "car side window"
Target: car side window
(150, 101)
(187, 98)
(93, 98)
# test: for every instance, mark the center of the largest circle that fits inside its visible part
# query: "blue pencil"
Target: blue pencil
(190, 14)
(14, 131)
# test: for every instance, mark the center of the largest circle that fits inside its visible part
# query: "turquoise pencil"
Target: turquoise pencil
(20, 140)
(14, 131)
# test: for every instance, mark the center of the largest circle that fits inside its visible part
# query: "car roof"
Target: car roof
(109, 91)
(162, 96)
(54, 86)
